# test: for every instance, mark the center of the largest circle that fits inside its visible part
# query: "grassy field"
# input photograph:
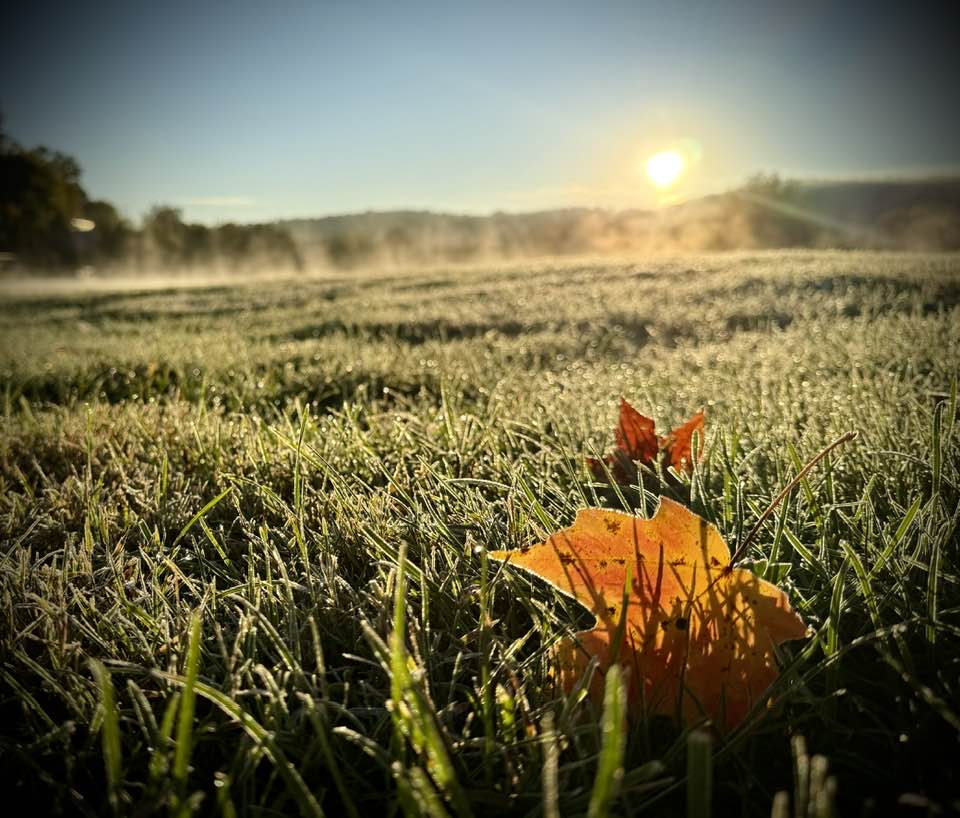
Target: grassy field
(207, 491)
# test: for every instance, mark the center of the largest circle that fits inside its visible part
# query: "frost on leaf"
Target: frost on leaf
(637, 444)
(699, 635)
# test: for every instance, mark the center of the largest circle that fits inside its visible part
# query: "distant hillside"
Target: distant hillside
(869, 203)
(765, 213)
(909, 214)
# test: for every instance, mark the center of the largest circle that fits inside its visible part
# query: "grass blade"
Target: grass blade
(201, 513)
(110, 735)
(184, 743)
(309, 806)
(610, 763)
(699, 774)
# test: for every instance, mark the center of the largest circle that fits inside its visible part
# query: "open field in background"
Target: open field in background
(257, 453)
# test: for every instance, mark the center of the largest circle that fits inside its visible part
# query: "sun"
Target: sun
(665, 168)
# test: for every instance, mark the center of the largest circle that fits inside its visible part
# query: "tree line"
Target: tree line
(49, 224)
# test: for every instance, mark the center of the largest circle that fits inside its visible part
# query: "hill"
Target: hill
(766, 213)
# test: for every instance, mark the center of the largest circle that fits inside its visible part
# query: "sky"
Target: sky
(248, 111)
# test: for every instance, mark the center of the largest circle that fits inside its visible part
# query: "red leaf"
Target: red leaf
(676, 446)
(637, 445)
(635, 434)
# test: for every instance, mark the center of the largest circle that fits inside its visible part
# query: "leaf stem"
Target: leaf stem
(846, 437)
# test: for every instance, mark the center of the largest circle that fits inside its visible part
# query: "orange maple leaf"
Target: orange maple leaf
(637, 443)
(698, 634)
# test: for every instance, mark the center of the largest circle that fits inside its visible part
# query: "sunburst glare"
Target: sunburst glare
(665, 168)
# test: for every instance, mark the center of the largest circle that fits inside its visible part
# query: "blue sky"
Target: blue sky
(247, 111)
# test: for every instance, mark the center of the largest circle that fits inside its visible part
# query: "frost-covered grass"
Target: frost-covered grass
(205, 494)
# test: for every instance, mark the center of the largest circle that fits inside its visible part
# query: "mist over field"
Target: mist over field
(766, 213)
